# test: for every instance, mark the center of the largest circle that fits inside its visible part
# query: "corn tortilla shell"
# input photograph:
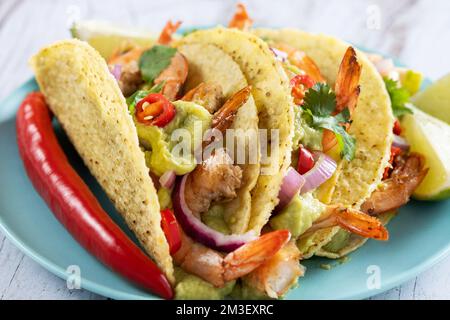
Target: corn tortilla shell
(88, 103)
(209, 64)
(372, 121)
(270, 89)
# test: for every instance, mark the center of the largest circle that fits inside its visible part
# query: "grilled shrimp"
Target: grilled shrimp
(277, 275)
(241, 20)
(208, 95)
(351, 220)
(215, 179)
(395, 192)
(218, 269)
(347, 91)
(224, 117)
(302, 61)
(174, 76)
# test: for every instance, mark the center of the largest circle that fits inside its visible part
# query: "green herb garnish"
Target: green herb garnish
(399, 97)
(154, 61)
(319, 106)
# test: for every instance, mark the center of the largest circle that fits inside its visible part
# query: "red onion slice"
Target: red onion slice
(279, 55)
(291, 185)
(167, 180)
(200, 232)
(117, 71)
(400, 143)
(323, 169)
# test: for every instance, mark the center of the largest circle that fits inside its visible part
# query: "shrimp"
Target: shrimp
(351, 220)
(173, 77)
(241, 20)
(216, 179)
(224, 117)
(278, 274)
(302, 61)
(166, 34)
(218, 269)
(396, 191)
(347, 92)
(208, 95)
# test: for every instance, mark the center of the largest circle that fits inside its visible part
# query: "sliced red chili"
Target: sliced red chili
(171, 230)
(300, 83)
(305, 160)
(155, 110)
(397, 128)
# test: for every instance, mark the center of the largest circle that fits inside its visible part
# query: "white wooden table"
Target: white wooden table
(416, 31)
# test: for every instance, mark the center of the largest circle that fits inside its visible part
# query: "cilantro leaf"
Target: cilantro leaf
(346, 142)
(319, 105)
(154, 61)
(399, 97)
(141, 94)
(321, 100)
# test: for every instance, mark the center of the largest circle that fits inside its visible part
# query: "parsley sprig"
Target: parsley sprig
(319, 106)
(399, 97)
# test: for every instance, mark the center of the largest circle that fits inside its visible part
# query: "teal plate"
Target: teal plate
(419, 235)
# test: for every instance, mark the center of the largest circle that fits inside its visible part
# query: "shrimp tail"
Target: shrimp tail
(361, 224)
(224, 117)
(166, 34)
(253, 254)
(347, 84)
(241, 20)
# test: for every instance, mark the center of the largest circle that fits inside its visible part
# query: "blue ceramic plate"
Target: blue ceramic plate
(419, 235)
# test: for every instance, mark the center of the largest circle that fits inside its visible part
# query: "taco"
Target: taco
(123, 123)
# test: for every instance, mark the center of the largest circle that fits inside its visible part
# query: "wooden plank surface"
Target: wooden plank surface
(415, 31)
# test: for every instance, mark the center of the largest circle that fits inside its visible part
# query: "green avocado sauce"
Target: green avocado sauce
(190, 287)
(298, 216)
(168, 148)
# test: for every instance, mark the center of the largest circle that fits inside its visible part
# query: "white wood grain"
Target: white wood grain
(416, 31)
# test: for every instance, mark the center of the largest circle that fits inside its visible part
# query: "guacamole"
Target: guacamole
(190, 287)
(214, 219)
(299, 215)
(169, 149)
(304, 134)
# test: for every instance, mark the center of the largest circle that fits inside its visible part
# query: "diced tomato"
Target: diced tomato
(171, 230)
(300, 83)
(397, 128)
(305, 160)
(155, 110)
(394, 153)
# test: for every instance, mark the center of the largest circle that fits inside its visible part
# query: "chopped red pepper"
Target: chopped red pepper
(394, 153)
(171, 230)
(300, 83)
(305, 160)
(397, 128)
(155, 110)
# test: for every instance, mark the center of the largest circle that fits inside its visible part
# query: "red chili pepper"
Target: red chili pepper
(397, 128)
(155, 110)
(394, 153)
(73, 203)
(171, 229)
(305, 161)
(300, 83)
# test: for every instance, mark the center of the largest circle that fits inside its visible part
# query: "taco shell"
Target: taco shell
(88, 103)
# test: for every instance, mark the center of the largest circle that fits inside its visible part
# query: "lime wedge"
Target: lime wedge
(430, 137)
(435, 99)
(106, 37)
